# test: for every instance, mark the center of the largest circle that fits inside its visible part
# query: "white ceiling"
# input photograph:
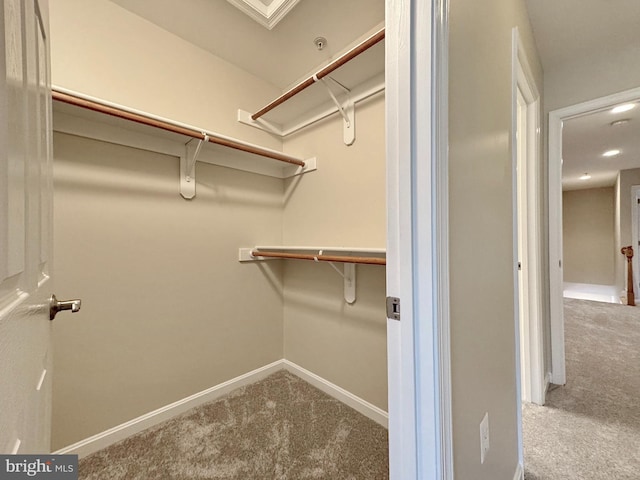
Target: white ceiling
(585, 139)
(283, 55)
(590, 30)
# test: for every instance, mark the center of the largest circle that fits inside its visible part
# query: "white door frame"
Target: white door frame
(556, 119)
(531, 375)
(635, 236)
(420, 438)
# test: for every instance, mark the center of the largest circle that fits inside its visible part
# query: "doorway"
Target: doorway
(527, 240)
(556, 273)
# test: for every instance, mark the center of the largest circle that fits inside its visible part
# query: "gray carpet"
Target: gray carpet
(590, 428)
(279, 428)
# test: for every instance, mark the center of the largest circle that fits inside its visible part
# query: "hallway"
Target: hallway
(590, 428)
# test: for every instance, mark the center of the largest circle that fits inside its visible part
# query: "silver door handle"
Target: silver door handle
(56, 306)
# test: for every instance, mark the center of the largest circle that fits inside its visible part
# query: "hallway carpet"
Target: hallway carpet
(279, 428)
(590, 428)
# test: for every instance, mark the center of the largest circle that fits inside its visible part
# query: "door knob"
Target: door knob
(56, 306)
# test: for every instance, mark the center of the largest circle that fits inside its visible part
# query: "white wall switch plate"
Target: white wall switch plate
(484, 437)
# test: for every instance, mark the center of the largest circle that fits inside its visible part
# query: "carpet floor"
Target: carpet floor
(278, 428)
(590, 428)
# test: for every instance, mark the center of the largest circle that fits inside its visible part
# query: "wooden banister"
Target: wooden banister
(628, 253)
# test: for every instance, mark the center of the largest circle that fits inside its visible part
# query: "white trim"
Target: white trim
(113, 435)
(556, 118)
(362, 406)
(531, 336)
(266, 15)
(441, 209)
(417, 345)
(519, 475)
(635, 238)
(105, 132)
(358, 94)
(556, 302)
(109, 437)
(529, 347)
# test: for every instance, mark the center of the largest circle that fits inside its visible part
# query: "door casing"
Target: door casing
(556, 119)
(420, 438)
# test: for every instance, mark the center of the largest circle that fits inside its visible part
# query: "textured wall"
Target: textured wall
(481, 232)
(588, 236)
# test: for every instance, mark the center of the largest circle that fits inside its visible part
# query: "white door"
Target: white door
(522, 223)
(25, 228)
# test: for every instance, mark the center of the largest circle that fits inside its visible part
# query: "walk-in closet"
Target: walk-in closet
(219, 207)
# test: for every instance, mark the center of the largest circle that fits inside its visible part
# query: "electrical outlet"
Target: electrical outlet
(484, 437)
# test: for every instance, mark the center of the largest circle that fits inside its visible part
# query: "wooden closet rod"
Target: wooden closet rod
(170, 127)
(367, 44)
(321, 258)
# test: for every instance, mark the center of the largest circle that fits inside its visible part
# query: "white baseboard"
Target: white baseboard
(109, 437)
(113, 435)
(547, 382)
(362, 406)
(519, 475)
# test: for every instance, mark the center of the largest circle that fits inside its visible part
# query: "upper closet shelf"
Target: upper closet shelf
(89, 117)
(354, 76)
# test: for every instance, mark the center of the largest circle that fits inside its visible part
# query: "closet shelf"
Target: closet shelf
(352, 77)
(86, 116)
(370, 256)
(349, 257)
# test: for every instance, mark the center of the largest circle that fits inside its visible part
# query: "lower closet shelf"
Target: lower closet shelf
(347, 256)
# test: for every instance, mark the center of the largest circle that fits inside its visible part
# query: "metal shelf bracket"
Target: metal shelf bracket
(349, 276)
(347, 110)
(188, 166)
(348, 273)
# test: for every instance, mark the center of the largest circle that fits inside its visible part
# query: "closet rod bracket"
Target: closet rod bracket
(188, 166)
(348, 274)
(349, 277)
(347, 110)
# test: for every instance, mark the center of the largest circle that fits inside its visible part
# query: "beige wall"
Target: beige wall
(164, 315)
(588, 236)
(587, 78)
(180, 322)
(481, 232)
(342, 204)
(100, 49)
(164, 310)
(626, 180)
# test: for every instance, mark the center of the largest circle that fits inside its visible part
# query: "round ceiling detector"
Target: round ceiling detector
(320, 42)
(620, 122)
